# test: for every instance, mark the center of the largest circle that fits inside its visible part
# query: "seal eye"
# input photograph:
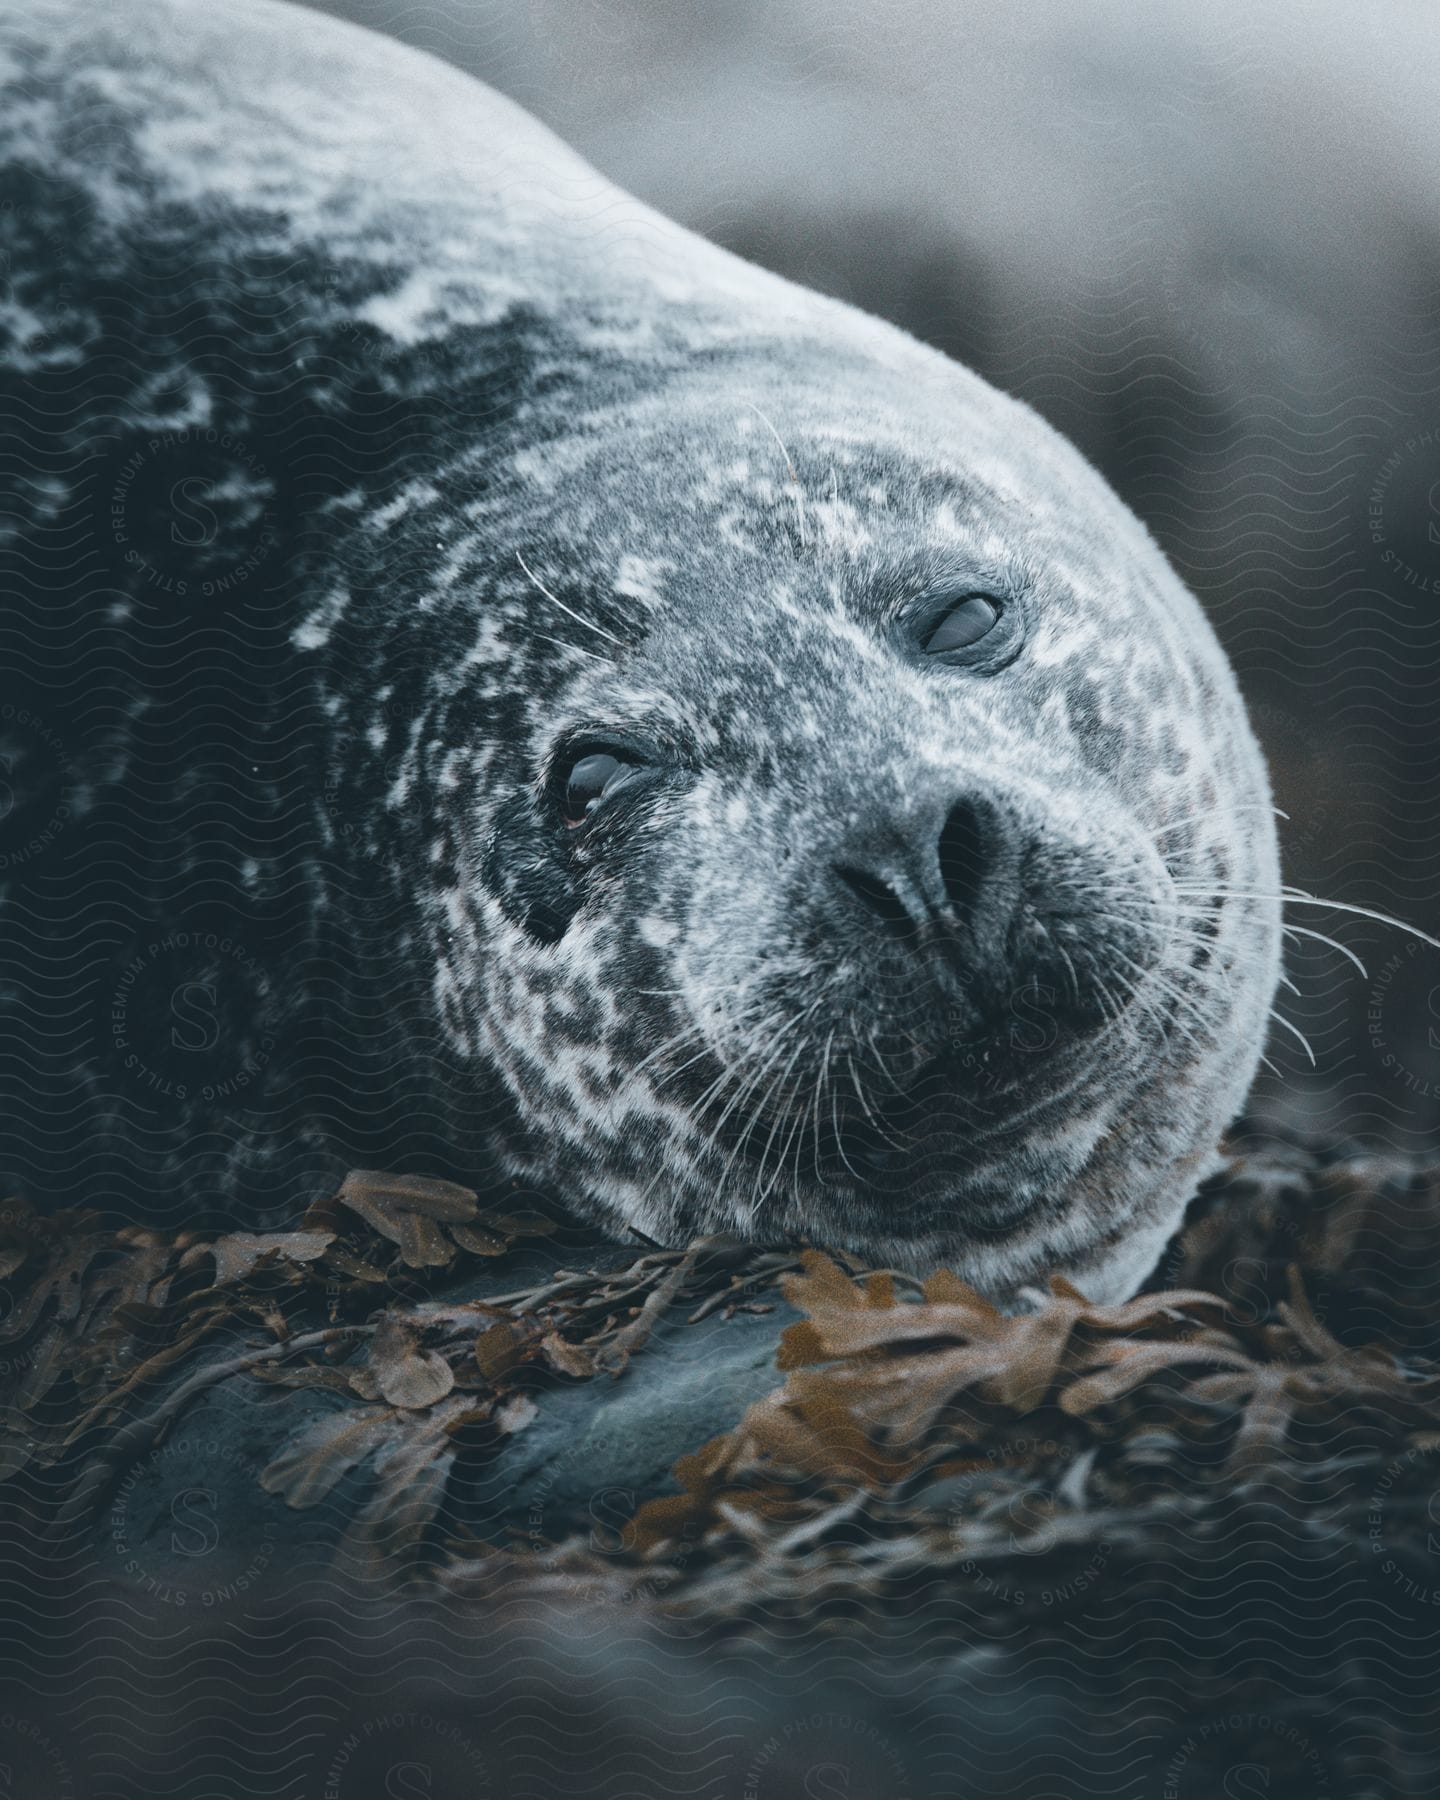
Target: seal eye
(968, 620)
(593, 779)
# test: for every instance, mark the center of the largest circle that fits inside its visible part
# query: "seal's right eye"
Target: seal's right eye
(590, 780)
(971, 618)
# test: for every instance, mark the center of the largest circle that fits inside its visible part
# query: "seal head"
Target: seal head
(869, 877)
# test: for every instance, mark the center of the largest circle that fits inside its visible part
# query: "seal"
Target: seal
(499, 686)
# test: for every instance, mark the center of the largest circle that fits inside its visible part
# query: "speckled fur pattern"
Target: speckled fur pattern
(534, 463)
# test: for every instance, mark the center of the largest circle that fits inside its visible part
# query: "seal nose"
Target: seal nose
(956, 888)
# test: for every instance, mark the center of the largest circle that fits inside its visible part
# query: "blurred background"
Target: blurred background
(1204, 241)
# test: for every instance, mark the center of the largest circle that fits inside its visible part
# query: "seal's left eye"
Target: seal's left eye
(969, 620)
(593, 779)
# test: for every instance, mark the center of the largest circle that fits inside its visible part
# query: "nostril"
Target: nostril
(879, 899)
(965, 856)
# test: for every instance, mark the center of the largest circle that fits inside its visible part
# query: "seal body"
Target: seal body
(495, 684)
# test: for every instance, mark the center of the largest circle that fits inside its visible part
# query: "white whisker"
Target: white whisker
(795, 488)
(570, 612)
(1281, 1019)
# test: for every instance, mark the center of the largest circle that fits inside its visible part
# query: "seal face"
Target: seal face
(550, 698)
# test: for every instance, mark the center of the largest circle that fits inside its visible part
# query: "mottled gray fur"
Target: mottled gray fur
(503, 460)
